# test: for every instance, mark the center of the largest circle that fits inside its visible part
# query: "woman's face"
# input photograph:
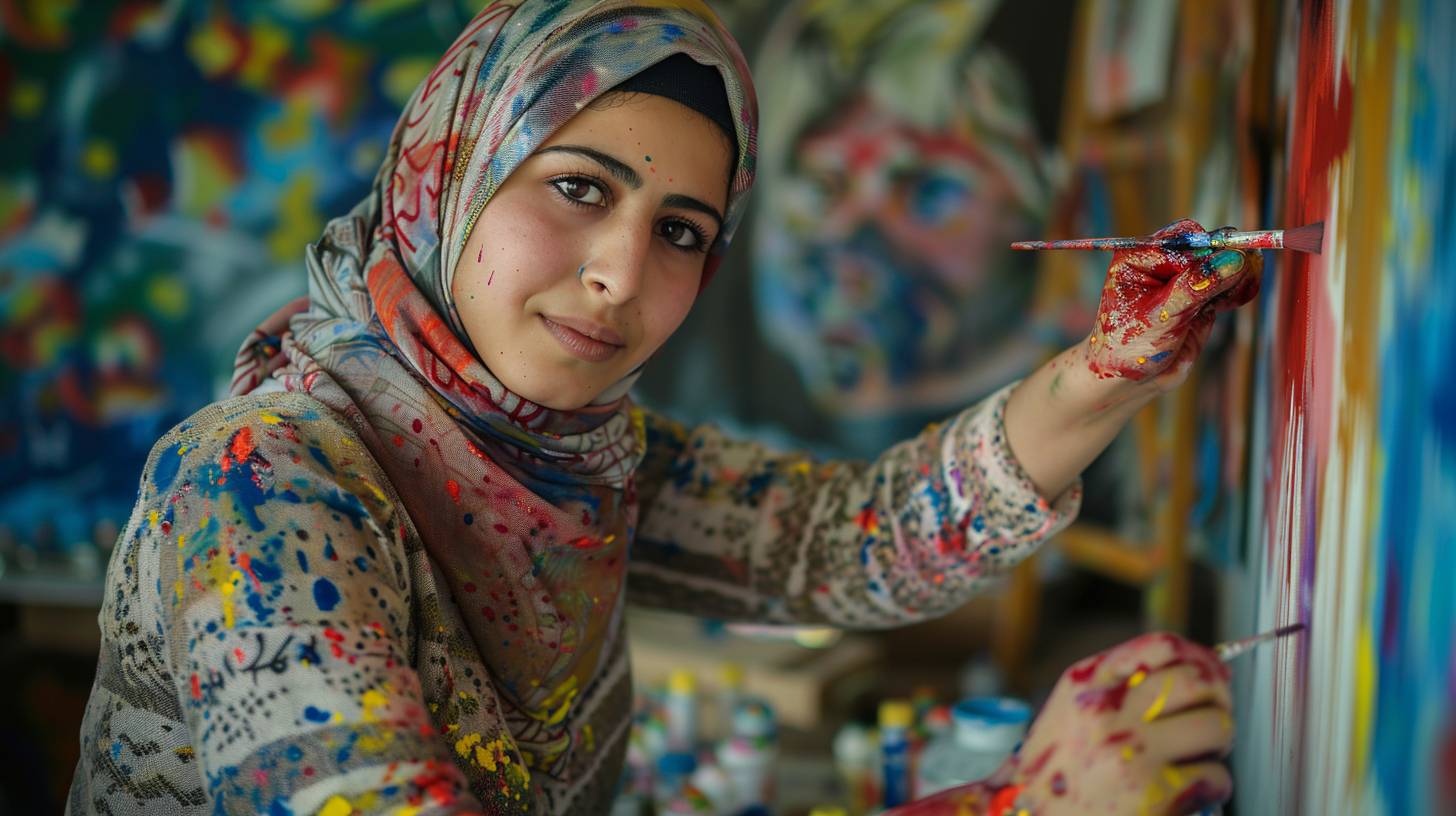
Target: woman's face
(589, 255)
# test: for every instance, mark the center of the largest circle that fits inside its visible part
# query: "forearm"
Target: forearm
(1062, 416)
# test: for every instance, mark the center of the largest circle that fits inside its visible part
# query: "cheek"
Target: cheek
(666, 312)
(514, 257)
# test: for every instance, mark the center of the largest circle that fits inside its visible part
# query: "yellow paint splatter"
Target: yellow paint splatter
(26, 98)
(560, 700)
(228, 588)
(1137, 678)
(1157, 707)
(1141, 360)
(271, 419)
(99, 159)
(1201, 284)
(1127, 754)
(336, 806)
(1163, 315)
(1172, 777)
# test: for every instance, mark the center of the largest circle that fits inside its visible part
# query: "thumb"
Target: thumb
(1220, 273)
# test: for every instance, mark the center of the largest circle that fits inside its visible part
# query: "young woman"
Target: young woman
(388, 575)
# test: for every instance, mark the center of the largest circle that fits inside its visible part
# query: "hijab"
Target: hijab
(525, 511)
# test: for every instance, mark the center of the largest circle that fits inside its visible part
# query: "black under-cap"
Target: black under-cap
(687, 81)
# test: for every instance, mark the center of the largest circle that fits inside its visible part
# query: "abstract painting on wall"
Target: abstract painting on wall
(164, 166)
(1353, 473)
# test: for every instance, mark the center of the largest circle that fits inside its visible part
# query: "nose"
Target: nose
(617, 263)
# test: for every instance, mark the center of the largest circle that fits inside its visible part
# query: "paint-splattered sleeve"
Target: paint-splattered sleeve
(283, 599)
(733, 530)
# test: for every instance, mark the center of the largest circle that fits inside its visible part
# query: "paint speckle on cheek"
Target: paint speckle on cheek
(1059, 784)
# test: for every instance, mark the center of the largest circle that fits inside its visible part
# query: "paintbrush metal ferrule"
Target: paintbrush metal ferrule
(1228, 650)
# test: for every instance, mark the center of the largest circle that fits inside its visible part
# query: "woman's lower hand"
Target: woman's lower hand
(1158, 307)
(1140, 728)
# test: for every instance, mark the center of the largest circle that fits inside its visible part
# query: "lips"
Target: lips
(582, 338)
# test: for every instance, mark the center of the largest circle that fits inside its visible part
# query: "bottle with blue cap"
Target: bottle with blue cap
(985, 731)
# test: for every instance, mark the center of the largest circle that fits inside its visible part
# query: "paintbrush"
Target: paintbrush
(1309, 238)
(1230, 649)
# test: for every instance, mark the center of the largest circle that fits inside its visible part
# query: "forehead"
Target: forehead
(670, 129)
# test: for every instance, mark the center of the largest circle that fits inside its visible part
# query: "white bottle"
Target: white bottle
(857, 762)
(680, 710)
(986, 731)
(748, 764)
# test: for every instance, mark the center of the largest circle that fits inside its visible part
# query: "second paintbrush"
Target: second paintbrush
(1309, 238)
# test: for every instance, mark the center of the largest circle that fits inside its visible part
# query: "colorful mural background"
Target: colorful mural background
(164, 165)
(1354, 470)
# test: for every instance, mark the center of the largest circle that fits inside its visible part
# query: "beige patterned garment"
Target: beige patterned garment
(276, 640)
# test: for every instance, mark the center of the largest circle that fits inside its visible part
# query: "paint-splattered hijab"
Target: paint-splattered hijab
(527, 511)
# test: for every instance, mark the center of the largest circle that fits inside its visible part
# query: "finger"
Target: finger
(1144, 653)
(1203, 733)
(1218, 274)
(1248, 287)
(1167, 692)
(1198, 786)
(1180, 226)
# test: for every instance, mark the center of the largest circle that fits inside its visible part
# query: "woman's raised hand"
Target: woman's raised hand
(1158, 307)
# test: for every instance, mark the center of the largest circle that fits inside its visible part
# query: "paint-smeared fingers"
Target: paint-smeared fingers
(1219, 273)
(1195, 735)
(1143, 653)
(1175, 689)
(1248, 286)
(1180, 226)
(1197, 787)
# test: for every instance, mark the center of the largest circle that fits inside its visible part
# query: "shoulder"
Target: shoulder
(266, 451)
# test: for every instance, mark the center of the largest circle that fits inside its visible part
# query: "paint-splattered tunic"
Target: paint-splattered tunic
(275, 638)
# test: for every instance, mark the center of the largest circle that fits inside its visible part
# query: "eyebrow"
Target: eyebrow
(625, 174)
(690, 203)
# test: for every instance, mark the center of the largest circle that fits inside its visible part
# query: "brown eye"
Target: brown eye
(681, 234)
(580, 191)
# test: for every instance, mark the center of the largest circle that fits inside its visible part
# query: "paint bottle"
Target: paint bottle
(896, 719)
(674, 769)
(680, 710)
(753, 718)
(749, 765)
(986, 731)
(713, 782)
(730, 693)
(857, 760)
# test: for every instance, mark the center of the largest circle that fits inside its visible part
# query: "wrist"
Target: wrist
(1093, 391)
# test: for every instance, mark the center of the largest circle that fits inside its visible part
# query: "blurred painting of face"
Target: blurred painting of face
(889, 283)
(590, 254)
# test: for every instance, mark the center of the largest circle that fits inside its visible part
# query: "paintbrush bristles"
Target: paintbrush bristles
(1308, 238)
